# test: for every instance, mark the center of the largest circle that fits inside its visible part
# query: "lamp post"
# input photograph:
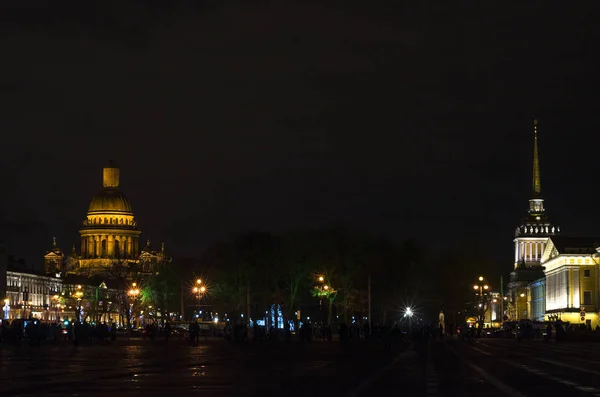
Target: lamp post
(55, 298)
(133, 293)
(408, 312)
(481, 287)
(199, 291)
(79, 297)
(324, 290)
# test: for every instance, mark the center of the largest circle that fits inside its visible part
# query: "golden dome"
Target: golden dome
(109, 200)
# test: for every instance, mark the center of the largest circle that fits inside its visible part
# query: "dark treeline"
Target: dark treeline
(267, 268)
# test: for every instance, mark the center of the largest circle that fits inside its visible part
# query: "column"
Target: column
(516, 252)
(97, 246)
(536, 250)
(129, 247)
(90, 246)
(83, 246)
(110, 245)
(521, 250)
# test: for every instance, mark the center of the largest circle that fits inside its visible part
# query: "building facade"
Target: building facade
(571, 270)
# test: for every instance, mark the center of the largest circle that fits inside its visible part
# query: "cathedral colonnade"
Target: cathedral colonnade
(109, 245)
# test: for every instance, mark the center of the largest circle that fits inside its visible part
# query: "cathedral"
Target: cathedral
(109, 235)
(555, 277)
(88, 280)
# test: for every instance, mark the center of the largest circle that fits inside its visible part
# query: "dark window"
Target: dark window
(587, 297)
(587, 272)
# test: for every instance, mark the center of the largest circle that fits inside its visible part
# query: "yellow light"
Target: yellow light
(134, 285)
(480, 278)
(326, 287)
(321, 279)
(202, 289)
(476, 287)
(79, 287)
(495, 300)
(195, 289)
(199, 281)
(485, 287)
(55, 297)
(522, 295)
(6, 301)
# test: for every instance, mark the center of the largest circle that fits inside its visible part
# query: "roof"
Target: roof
(575, 245)
(110, 200)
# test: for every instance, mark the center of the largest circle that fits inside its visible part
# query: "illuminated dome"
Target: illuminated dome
(110, 230)
(110, 200)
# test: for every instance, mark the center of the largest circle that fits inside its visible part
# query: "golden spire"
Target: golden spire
(537, 186)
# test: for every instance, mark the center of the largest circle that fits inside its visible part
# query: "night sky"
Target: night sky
(402, 120)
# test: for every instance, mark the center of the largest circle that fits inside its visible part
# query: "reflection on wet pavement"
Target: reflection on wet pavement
(217, 367)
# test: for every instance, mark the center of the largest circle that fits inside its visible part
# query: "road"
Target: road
(213, 368)
(492, 367)
(488, 367)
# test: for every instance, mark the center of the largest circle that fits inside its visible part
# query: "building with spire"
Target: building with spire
(555, 277)
(525, 300)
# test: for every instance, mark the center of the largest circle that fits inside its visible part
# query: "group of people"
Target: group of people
(36, 331)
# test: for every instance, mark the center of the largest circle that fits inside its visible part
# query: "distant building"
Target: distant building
(90, 283)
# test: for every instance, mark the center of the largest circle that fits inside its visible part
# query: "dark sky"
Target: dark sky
(405, 120)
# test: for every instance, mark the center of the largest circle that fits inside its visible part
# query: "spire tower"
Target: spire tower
(537, 185)
(532, 235)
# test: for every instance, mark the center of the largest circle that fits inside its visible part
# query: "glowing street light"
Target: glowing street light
(408, 312)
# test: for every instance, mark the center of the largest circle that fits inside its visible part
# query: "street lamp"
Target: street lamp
(481, 287)
(133, 292)
(324, 290)
(408, 312)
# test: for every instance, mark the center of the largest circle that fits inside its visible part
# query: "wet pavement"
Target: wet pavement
(492, 367)
(487, 367)
(215, 367)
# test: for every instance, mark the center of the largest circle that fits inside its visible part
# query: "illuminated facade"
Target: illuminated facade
(30, 295)
(571, 268)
